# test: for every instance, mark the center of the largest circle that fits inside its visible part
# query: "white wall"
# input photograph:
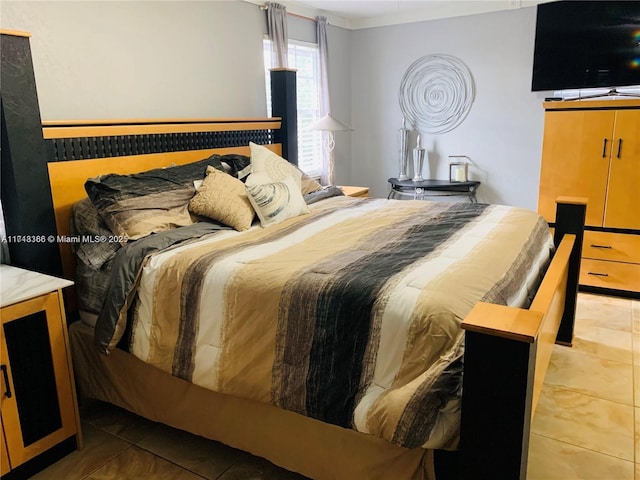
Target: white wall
(503, 131)
(141, 59)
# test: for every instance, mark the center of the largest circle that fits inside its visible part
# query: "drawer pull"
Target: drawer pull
(596, 274)
(604, 148)
(619, 147)
(593, 245)
(7, 392)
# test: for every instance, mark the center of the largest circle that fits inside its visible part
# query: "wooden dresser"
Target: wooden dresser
(591, 149)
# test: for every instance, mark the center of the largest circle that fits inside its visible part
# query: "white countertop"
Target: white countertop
(17, 284)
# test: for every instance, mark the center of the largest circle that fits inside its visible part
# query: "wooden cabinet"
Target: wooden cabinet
(610, 275)
(622, 209)
(575, 160)
(5, 467)
(592, 149)
(38, 407)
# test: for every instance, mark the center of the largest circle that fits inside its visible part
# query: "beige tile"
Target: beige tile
(637, 434)
(636, 385)
(637, 471)
(585, 421)
(636, 347)
(116, 421)
(604, 299)
(551, 459)
(604, 343)
(99, 447)
(200, 455)
(135, 463)
(635, 313)
(591, 375)
(604, 312)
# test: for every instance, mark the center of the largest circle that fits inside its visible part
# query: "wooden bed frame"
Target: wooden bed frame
(118, 146)
(507, 350)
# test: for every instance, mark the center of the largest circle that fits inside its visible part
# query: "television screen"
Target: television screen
(586, 44)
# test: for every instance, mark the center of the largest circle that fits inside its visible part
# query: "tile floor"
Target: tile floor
(587, 424)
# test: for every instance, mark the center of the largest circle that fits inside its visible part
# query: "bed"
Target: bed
(366, 372)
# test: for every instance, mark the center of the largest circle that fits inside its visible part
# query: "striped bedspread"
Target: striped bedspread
(350, 314)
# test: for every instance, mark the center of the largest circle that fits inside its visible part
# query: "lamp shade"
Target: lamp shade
(330, 124)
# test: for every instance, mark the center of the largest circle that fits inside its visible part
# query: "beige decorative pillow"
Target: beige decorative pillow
(223, 198)
(276, 202)
(271, 167)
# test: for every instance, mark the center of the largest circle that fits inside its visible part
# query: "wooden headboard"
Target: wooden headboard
(66, 151)
(82, 149)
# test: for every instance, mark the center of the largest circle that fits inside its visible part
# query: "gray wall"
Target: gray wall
(108, 59)
(503, 132)
(204, 59)
(135, 59)
(340, 74)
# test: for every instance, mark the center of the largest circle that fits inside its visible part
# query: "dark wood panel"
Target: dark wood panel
(83, 148)
(26, 194)
(284, 104)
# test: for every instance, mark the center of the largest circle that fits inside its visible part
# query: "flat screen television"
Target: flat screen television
(586, 44)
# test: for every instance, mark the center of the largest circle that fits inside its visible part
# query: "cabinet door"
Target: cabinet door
(37, 395)
(623, 195)
(5, 467)
(575, 160)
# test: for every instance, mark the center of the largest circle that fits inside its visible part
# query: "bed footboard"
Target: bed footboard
(507, 351)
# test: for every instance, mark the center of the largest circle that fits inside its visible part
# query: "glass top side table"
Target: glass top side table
(425, 188)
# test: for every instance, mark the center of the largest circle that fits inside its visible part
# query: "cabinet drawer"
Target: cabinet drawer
(618, 247)
(614, 275)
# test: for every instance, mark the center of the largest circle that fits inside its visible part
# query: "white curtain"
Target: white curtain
(278, 32)
(325, 103)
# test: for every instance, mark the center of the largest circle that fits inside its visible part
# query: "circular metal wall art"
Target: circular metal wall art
(436, 93)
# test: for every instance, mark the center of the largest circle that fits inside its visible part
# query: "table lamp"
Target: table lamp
(330, 125)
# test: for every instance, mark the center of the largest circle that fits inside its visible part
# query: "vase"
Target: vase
(403, 153)
(418, 163)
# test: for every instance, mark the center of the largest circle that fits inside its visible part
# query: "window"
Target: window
(304, 58)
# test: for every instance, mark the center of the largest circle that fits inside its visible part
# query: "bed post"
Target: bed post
(507, 351)
(284, 105)
(497, 395)
(570, 218)
(26, 195)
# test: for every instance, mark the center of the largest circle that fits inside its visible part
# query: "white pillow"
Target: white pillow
(277, 201)
(269, 167)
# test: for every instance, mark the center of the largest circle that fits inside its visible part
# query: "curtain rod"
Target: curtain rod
(266, 7)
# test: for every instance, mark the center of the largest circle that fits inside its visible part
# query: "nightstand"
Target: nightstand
(40, 420)
(437, 188)
(362, 192)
